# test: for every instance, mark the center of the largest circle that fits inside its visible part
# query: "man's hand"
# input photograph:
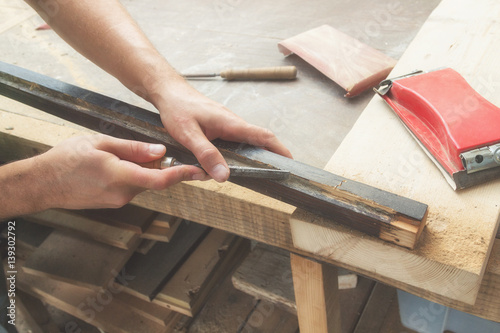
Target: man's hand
(193, 120)
(105, 33)
(86, 172)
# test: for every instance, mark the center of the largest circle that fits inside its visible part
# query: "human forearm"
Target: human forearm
(86, 172)
(105, 33)
(23, 188)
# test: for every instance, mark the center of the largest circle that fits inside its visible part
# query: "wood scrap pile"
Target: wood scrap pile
(125, 270)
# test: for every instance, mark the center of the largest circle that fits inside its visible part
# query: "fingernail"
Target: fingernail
(220, 173)
(156, 149)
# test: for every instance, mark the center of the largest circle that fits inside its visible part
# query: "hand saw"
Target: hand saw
(458, 128)
(376, 212)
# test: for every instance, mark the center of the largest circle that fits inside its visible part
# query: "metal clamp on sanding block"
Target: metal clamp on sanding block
(458, 128)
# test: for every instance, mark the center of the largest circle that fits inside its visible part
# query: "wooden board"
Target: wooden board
(159, 231)
(130, 217)
(85, 226)
(32, 315)
(153, 270)
(146, 309)
(450, 261)
(224, 206)
(99, 308)
(145, 245)
(164, 220)
(266, 274)
(66, 256)
(227, 311)
(316, 294)
(188, 289)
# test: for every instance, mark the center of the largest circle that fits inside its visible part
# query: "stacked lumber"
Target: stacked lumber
(267, 274)
(125, 270)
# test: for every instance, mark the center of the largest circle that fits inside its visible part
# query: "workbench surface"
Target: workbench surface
(310, 115)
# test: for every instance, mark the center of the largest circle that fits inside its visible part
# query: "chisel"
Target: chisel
(264, 73)
(235, 171)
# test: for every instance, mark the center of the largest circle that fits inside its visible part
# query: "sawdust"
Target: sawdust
(455, 242)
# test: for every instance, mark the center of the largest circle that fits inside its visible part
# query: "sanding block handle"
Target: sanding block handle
(264, 73)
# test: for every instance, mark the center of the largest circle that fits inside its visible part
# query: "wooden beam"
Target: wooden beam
(66, 256)
(67, 220)
(249, 214)
(153, 270)
(187, 291)
(378, 213)
(266, 274)
(159, 232)
(316, 295)
(130, 217)
(100, 308)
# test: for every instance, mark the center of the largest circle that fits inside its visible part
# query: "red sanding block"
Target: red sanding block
(458, 128)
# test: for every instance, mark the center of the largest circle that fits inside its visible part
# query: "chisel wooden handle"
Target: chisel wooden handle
(264, 73)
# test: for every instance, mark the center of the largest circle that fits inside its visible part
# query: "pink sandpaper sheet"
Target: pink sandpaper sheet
(352, 64)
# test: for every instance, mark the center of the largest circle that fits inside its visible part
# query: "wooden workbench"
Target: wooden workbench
(226, 34)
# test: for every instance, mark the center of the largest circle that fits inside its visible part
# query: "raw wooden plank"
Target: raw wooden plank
(146, 309)
(99, 308)
(153, 270)
(159, 232)
(32, 316)
(90, 227)
(316, 294)
(131, 217)
(226, 311)
(450, 262)
(188, 289)
(352, 64)
(145, 246)
(69, 257)
(164, 220)
(225, 206)
(266, 274)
